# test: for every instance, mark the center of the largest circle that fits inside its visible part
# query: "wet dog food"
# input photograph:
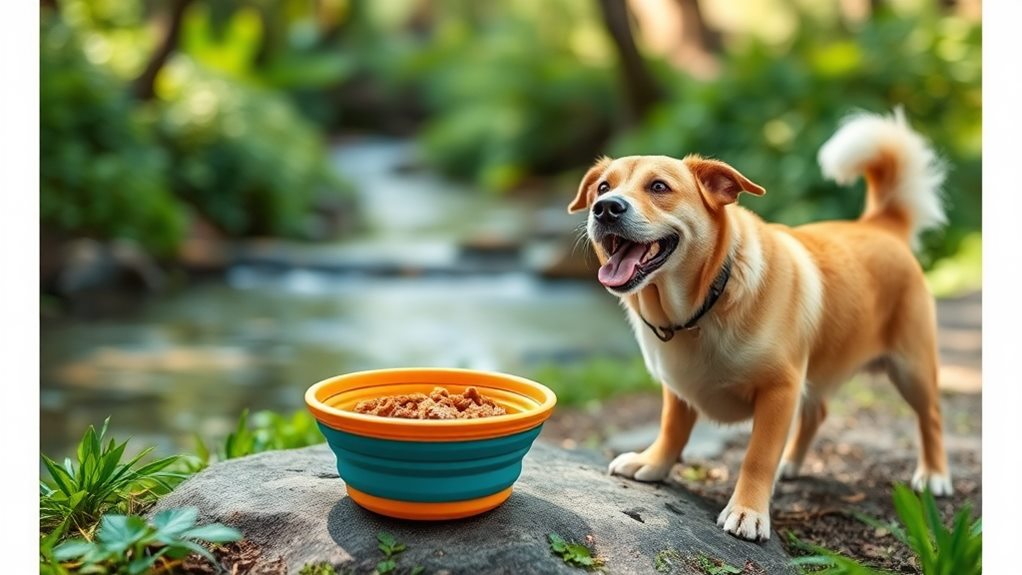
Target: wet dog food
(439, 404)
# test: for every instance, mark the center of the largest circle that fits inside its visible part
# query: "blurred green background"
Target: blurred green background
(241, 197)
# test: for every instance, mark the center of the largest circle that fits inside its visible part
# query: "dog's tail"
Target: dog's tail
(903, 174)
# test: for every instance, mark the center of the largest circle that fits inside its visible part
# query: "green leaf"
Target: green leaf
(910, 510)
(119, 532)
(72, 549)
(60, 476)
(144, 563)
(386, 566)
(386, 539)
(213, 533)
(557, 543)
(173, 522)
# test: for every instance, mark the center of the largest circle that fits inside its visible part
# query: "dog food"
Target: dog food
(439, 404)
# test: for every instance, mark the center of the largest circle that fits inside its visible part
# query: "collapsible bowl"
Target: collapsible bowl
(429, 469)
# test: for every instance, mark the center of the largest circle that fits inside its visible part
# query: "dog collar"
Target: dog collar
(665, 334)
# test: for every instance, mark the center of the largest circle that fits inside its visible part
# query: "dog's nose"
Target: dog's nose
(608, 210)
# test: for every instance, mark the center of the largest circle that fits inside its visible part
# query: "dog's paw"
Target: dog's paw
(939, 483)
(639, 467)
(788, 470)
(745, 523)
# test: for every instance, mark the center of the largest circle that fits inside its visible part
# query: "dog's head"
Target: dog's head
(648, 214)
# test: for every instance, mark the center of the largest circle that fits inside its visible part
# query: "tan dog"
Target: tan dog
(740, 318)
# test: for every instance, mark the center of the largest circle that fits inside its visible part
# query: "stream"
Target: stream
(190, 360)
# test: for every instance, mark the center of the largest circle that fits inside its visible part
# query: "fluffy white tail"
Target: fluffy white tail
(903, 174)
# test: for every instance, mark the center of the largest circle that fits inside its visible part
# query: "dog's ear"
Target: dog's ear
(719, 182)
(582, 198)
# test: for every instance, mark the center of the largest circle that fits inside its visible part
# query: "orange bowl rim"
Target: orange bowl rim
(431, 429)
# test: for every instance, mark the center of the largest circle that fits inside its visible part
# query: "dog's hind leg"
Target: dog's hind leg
(913, 369)
(812, 414)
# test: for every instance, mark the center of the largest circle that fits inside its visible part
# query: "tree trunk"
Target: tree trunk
(695, 27)
(145, 83)
(641, 89)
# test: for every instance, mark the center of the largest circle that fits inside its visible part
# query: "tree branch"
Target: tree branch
(145, 83)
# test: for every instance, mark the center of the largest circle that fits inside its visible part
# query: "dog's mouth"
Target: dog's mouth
(631, 262)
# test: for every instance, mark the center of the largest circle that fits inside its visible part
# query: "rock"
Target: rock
(293, 505)
(86, 264)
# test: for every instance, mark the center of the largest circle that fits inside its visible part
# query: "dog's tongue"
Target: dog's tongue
(621, 266)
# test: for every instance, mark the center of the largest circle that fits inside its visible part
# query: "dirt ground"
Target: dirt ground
(867, 444)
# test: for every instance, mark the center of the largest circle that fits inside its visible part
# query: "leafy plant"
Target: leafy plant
(323, 568)
(77, 495)
(242, 155)
(131, 545)
(266, 431)
(390, 548)
(574, 554)
(939, 550)
(711, 566)
(101, 174)
(493, 97)
(666, 559)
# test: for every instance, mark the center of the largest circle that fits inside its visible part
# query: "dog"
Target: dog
(739, 318)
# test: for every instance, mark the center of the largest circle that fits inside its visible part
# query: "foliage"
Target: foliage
(131, 545)
(322, 568)
(961, 272)
(773, 107)
(714, 566)
(77, 495)
(216, 140)
(510, 96)
(101, 173)
(242, 155)
(574, 554)
(268, 431)
(596, 379)
(391, 548)
(939, 550)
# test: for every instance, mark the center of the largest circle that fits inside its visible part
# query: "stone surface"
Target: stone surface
(293, 505)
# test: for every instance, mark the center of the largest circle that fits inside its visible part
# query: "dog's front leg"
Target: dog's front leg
(676, 420)
(747, 514)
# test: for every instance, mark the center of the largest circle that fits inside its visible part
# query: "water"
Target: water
(189, 361)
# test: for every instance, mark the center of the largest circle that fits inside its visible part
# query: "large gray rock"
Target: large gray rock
(293, 505)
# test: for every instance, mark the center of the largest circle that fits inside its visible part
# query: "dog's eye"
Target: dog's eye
(604, 187)
(659, 187)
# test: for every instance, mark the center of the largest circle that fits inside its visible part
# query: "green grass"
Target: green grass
(78, 493)
(939, 550)
(595, 380)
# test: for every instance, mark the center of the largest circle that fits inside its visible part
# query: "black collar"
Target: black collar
(716, 289)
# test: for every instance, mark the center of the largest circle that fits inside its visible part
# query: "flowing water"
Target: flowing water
(189, 361)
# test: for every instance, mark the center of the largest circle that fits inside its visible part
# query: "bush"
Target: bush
(772, 108)
(101, 173)
(242, 156)
(512, 100)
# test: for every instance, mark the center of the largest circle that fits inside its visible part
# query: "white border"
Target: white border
(19, 297)
(1002, 341)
